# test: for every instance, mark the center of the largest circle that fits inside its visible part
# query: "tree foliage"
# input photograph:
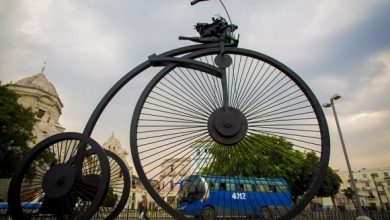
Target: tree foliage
(16, 125)
(350, 194)
(331, 184)
(268, 156)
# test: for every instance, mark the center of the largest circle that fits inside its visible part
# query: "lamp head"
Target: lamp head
(335, 97)
(326, 105)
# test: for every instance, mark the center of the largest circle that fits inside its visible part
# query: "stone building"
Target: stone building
(137, 189)
(373, 186)
(40, 94)
(113, 144)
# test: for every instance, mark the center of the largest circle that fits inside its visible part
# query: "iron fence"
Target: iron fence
(326, 214)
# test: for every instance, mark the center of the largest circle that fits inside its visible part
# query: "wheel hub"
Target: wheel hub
(58, 180)
(227, 126)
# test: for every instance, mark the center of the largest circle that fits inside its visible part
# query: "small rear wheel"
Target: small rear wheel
(50, 183)
(118, 189)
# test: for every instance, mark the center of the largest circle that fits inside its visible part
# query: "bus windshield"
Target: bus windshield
(192, 188)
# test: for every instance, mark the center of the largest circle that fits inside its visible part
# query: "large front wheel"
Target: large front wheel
(255, 134)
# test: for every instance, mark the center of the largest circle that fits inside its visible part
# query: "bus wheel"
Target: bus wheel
(265, 213)
(208, 213)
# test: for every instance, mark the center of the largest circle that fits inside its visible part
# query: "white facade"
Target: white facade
(172, 171)
(373, 186)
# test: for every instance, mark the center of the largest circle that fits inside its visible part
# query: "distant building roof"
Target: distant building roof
(38, 86)
(38, 81)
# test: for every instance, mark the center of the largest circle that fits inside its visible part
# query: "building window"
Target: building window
(40, 113)
(386, 174)
(364, 175)
(367, 184)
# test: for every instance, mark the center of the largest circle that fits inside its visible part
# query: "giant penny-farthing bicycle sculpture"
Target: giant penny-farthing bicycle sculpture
(218, 132)
(225, 132)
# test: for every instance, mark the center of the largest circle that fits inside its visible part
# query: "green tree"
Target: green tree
(331, 185)
(243, 159)
(16, 125)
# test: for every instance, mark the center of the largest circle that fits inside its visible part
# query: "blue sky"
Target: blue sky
(335, 46)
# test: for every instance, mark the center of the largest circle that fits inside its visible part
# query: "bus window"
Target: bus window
(281, 187)
(254, 188)
(261, 188)
(245, 187)
(211, 185)
(248, 187)
(230, 186)
(241, 187)
(272, 188)
(223, 186)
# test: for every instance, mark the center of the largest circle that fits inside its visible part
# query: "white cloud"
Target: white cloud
(364, 115)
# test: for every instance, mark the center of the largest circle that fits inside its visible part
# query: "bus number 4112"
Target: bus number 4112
(241, 196)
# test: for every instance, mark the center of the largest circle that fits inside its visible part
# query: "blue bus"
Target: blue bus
(31, 206)
(222, 196)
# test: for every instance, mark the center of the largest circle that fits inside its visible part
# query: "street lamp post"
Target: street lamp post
(356, 197)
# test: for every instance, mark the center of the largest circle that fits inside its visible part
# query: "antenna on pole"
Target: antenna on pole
(43, 67)
(223, 5)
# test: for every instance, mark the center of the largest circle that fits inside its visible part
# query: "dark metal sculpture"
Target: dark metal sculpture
(213, 102)
(218, 31)
(211, 108)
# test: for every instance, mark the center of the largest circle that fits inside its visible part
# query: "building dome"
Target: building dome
(39, 86)
(38, 81)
